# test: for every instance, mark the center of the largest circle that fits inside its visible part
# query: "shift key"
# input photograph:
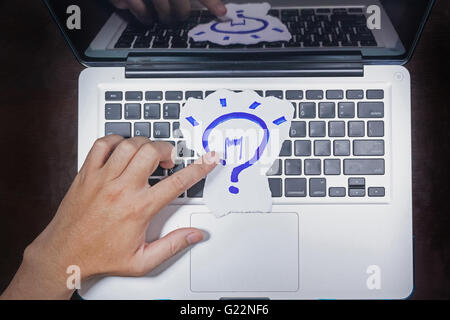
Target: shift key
(364, 166)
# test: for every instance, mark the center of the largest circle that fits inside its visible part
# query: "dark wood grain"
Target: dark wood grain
(38, 138)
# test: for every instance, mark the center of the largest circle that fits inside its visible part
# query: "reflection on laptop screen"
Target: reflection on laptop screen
(376, 28)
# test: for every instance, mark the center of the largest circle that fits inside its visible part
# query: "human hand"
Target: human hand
(167, 9)
(101, 223)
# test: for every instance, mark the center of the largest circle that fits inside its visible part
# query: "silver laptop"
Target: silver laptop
(341, 226)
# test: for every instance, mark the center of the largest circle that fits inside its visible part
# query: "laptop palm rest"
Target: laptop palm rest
(246, 252)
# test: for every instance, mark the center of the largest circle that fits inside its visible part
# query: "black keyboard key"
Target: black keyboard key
(174, 95)
(274, 12)
(132, 111)
(159, 172)
(346, 109)
(340, 11)
(336, 129)
(171, 111)
(161, 130)
(152, 111)
(196, 191)
(370, 109)
(368, 147)
(337, 192)
(295, 187)
(286, 149)
(133, 95)
(376, 192)
(152, 182)
(322, 148)
(317, 129)
(356, 129)
(302, 148)
(194, 94)
(368, 43)
(332, 167)
(113, 111)
(141, 45)
(276, 169)
(314, 94)
(177, 167)
(313, 167)
(274, 93)
(335, 94)
(355, 94)
(179, 44)
(294, 94)
(298, 129)
(160, 44)
(153, 95)
(293, 167)
(327, 110)
(307, 110)
(113, 96)
(121, 128)
(123, 45)
(323, 10)
(357, 183)
(142, 129)
(355, 10)
(207, 93)
(356, 192)
(364, 166)
(341, 148)
(375, 94)
(317, 187)
(289, 12)
(375, 128)
(198, 45)
(275, 186)
(307, 12)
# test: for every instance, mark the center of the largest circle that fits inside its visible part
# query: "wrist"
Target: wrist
(38, 279)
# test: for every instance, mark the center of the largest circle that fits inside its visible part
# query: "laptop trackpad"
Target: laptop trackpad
(246, 252)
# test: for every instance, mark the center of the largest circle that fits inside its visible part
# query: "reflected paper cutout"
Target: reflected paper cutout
(247, 130)
(247, 24)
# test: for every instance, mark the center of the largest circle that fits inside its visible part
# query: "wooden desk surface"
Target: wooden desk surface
(38, 138)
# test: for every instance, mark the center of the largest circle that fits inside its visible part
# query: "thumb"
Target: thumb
(162, 249)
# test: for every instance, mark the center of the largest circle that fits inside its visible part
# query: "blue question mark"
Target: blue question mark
(259, 151)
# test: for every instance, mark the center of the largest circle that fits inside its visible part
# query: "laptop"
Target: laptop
(341, 226)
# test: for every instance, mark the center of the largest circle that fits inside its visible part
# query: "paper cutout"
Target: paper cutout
(247, 130)
(247, 24)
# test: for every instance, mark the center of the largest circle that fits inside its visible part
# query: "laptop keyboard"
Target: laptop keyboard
(321, 27)
(334, 134)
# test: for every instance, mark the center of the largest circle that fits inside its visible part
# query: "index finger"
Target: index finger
(216, 7)
(170, 188)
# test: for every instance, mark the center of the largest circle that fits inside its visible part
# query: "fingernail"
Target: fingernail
(212, 157)
(194, 237)
(221, 10)
(224, 18)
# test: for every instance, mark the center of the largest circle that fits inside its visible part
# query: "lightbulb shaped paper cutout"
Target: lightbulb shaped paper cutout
(248, 24)
(247, 131)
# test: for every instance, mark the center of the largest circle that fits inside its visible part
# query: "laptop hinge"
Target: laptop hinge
(222, 65)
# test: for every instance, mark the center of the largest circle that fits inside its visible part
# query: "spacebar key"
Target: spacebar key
(364, 166)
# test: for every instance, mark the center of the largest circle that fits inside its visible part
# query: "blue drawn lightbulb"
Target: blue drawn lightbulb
(258, 153)
(242, 116)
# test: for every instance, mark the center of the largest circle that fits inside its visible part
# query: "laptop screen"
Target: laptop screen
(108, 31)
